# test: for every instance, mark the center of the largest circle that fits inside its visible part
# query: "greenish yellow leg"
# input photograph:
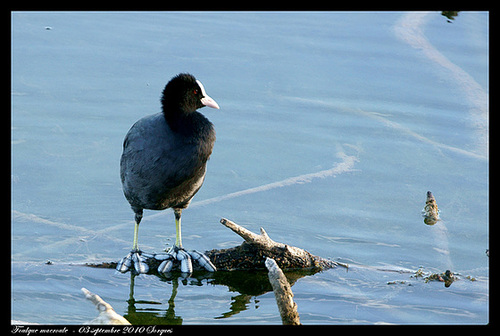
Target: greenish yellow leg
(138, 217)
(178, 233)
(136, 236)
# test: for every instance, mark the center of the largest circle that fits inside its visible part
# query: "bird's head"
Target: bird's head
(184, 93)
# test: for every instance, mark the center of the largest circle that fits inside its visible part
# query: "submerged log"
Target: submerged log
(252, 253)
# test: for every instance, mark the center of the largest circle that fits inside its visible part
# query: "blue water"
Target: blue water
(332, 128)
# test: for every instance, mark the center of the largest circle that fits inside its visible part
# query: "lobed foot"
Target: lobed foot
(137, 261)
(185, 258)
(134, 261)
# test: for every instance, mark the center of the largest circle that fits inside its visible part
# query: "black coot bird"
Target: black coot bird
(163, 166)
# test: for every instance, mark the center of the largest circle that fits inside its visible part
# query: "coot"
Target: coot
(163, 166)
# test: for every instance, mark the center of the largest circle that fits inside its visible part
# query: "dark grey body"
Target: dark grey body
(162, 168)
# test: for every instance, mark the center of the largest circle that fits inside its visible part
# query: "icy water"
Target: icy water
(332, 128)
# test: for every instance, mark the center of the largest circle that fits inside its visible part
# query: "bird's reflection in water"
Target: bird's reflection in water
(247, 284)
(149, 314)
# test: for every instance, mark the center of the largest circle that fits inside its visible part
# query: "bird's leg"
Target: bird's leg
(135, 260)
(136, 236)
(138, 218)
(134, 257)
(178, 253)
(178, 232)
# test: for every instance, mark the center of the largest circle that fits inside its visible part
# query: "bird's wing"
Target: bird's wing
(154, 164)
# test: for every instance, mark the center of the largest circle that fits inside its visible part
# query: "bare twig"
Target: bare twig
(107, 314)
(257, 247)
(283, 294)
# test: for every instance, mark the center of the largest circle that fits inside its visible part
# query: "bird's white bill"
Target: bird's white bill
(207, 100)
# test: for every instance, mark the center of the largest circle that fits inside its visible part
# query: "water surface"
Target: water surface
(332, 128)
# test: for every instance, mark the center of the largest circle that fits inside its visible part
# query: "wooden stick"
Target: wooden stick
(286, 256)
(250, 237)
(283, 294)
(107, 314)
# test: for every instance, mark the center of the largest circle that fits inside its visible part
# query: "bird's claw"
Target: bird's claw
(135, 258)
(185, 258)
(137, 261)
(124, 264)
(202, 260)
(168, 261)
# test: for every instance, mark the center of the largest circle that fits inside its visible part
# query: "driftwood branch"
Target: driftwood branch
(252, 253)
(283, 294)
(250, 237)
(107, 314)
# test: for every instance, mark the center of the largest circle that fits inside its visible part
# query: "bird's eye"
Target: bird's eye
(195, 91)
